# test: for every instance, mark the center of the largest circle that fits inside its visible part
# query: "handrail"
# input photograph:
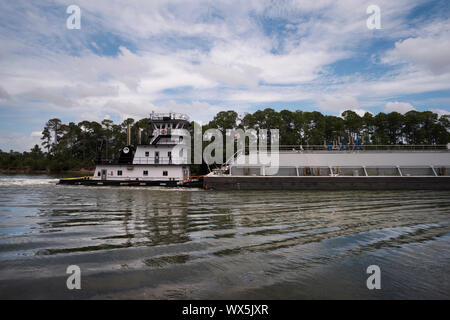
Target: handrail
(148, 160)
(171, 115)
(367, 147)
(159, 160)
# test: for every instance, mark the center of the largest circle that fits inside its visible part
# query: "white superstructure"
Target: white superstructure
(164, 158)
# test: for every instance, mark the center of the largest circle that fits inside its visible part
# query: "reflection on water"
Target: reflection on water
(180, 243)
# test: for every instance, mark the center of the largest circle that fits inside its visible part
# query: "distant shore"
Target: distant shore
(81, 171)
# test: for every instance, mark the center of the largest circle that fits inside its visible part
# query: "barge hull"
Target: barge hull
(326, 183)
(198, 183)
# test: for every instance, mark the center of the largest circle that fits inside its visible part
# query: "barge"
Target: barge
(400, 169)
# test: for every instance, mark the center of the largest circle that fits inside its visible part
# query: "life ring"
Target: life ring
(163, 131)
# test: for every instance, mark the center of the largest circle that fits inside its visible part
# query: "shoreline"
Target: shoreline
(81, 171)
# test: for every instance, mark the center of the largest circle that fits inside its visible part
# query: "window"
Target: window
(147, 153)
(98, 174)
(119, 172)
(165, 173)
(181, 139)
(145, 172)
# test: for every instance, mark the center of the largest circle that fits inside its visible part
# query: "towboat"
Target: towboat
(162, 162)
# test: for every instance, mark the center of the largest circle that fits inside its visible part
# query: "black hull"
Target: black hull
(197, 183)
(326, 183)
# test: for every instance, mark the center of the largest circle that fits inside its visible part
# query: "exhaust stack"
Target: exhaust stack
(128, 135)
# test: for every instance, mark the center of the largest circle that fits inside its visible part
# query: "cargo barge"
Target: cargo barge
(406, 168)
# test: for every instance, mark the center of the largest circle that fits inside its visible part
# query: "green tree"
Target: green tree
(46, 139)
(353, 124)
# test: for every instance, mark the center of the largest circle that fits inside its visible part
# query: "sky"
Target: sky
(129, 58)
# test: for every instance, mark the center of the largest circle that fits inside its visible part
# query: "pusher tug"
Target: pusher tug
(162, 162)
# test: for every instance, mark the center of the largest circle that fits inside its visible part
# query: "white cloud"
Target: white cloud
(338, 103)
(432, 53)
(360, 112)
(18, 142)
(4, 95)
(200, 57)
(440, 112)
(36, 134)
(400, 107)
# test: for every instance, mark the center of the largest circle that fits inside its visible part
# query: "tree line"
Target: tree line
(77, 145)
(314, 128)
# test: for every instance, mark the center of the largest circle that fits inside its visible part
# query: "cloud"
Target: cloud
(4, 95)
(400, 107)
(201, 57)
(360, 112)
(338, 103)
(17, 141)
(440, 112)
(36, 134)
(432, 53)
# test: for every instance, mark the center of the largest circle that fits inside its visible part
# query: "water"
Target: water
(194, 244)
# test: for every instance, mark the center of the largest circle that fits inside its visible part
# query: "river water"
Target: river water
(151, 243)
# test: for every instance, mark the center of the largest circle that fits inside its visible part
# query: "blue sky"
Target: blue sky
(200, 57)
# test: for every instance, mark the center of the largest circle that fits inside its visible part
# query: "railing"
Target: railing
(365, 147)
(159, 160)
(146, 160)
(335, 171)
(170, 131)
(168, 116)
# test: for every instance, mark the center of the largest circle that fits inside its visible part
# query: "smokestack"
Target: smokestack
(128, 135)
